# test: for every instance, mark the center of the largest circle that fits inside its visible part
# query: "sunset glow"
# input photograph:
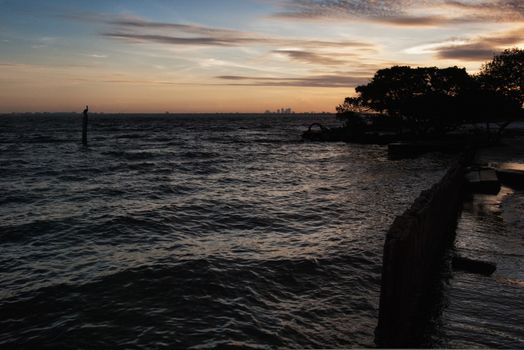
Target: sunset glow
(229, 56)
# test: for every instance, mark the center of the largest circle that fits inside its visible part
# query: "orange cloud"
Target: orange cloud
(405, 12)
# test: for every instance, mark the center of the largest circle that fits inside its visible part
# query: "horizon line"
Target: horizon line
(165, 113)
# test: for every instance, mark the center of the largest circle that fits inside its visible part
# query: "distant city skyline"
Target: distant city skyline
(208, 56)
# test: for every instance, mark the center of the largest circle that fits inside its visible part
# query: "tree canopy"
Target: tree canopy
(505, 74)
(434, 100)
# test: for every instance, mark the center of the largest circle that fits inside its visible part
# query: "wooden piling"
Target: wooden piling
(84, 127)
(413, 251)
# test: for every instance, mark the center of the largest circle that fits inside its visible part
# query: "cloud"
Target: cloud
(326, 80)
(329, 8)
(411, 21)
(404, 12)
(470, 52)
(311, 51)
(136, 30)
(173, 40)
(502, 10)
(95, 55)
(479, 48)
(187, 28)
(310, 57)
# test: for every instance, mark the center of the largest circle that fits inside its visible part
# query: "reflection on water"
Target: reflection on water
(488, 311)
(510, 166)
(488, 205)
(194, 231)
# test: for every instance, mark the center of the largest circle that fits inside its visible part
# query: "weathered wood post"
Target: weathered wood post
(84, 127)
(413, 251)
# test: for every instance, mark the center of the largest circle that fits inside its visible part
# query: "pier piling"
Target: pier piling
(84, 126)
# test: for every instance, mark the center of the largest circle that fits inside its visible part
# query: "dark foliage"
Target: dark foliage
(505, 75)
(429, 100)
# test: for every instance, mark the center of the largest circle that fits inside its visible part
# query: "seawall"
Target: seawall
(413, 250)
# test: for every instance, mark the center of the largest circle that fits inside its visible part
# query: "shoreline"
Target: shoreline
(410, 250)
(490, 229)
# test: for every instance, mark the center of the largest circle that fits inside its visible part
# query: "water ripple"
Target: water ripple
(194, 232)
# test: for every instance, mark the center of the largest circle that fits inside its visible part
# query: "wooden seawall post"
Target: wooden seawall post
(414, 247)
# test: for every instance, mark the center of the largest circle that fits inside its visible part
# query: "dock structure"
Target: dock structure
(488, 179)
(483, 180)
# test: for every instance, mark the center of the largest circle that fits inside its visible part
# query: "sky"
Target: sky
(232, 55)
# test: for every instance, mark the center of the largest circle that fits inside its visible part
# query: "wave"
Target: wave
(194, 231)
(198, 303)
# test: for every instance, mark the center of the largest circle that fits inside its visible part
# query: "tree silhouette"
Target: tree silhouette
(505, 75)
(432, 100)
(420, 97)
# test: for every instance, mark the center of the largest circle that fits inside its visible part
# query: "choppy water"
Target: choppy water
(193, 231)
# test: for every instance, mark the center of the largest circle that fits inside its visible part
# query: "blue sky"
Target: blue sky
(222, 56)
